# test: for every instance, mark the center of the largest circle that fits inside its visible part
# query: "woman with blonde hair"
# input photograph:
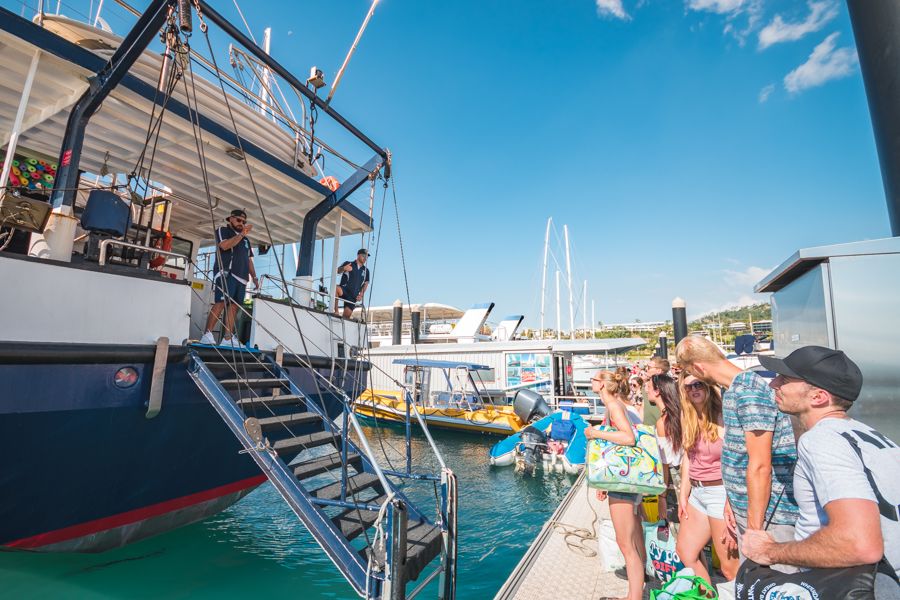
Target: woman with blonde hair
(612, 388)
(702, 499)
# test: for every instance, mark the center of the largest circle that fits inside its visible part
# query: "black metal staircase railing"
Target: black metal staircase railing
(378, 539)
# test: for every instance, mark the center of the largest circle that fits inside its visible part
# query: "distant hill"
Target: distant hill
(754, 312)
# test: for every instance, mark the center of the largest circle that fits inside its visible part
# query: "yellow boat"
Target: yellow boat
(460, 408)
(390, 406)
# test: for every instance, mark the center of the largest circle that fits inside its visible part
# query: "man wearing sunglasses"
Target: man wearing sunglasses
(232, 271)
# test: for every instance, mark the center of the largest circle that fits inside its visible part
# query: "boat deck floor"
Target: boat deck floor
(551, 569)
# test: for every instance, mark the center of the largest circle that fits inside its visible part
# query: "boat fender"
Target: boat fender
(163, 243)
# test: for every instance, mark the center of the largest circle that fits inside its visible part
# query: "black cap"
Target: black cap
(822, 367)
(363, 251)
(238, 212)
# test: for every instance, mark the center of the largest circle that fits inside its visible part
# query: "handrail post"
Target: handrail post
(447, 585)
(395, 552)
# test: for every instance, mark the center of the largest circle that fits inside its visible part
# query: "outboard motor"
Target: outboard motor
(529, 449)
(530, 406)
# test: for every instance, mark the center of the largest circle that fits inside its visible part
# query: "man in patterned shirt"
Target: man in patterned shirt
(759, 451)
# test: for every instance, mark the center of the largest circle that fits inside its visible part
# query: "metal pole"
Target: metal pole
(544, 273)
(398, 322)
(679, 319)
(334, 260)
(875, 27)
(663, 345)
(569, 283)
(17, 125)
(593, 322)
(557, 305)
(362, 29)
(264, 84)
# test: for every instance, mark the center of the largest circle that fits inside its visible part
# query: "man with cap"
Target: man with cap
(233, 267)
(847, 479)
(354, 281)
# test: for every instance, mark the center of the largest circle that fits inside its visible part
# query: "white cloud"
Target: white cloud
(766, 92)
(612, 8)
(722, 7)
(824, 64)
(746, 278)
(820, 13)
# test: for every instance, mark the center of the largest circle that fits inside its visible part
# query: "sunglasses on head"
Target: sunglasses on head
(695, 386)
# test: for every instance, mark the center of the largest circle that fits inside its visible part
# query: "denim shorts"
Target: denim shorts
(626, 496)
(709, 500)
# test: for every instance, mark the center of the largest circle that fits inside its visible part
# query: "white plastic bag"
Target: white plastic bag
(726, 590)
(609, 549)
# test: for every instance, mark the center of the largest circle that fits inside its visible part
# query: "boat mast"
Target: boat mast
(557, 305)
(569, 282)
(266, 74)
(593, 322)
(584, 309)
(544, 273)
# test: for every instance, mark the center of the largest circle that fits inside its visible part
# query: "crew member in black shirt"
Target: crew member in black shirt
(354, 281)
(230, 278)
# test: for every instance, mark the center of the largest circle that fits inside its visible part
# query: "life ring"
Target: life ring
(163, 243)
(330, 182)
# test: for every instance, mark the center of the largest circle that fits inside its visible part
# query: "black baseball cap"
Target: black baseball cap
(363, 251)
(238, 212)
(822, 367)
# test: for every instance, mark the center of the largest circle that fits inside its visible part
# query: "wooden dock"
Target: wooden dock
(566, 567)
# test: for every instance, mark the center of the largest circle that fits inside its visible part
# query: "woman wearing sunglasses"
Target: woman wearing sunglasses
(612, 388)
(702, 499)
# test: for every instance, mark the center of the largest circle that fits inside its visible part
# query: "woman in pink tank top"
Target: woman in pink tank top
(701, 505)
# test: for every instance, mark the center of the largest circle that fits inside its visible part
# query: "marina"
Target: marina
(200, 397)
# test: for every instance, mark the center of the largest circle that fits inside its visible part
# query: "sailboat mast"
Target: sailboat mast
(584, 309)
(557, 305)
(593, 322)
(569, 282)
(544, 273)
(264, 84)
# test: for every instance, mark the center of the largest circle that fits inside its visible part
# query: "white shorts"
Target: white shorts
(709, 500)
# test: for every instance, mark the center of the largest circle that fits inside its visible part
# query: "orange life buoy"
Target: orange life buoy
(163, 243)
(330, 182)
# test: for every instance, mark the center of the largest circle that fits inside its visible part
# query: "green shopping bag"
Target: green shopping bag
(685, 587)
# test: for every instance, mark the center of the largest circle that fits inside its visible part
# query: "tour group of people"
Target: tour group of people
(774, 471)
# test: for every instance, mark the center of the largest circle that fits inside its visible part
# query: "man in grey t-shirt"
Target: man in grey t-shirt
(845, 482)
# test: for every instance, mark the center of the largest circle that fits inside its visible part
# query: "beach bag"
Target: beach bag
(609, 550)
(685, 587)
(758, 582)
(632, 469)
(562, 430)
(662, 560)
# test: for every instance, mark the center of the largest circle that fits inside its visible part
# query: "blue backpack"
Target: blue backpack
(562, 430)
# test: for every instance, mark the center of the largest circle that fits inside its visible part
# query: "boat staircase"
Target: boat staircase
(357, 513)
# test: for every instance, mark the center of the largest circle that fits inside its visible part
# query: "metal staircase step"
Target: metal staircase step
(352, 522)
(423, 544)
(297, 444)
(277, 400)
(355, 483)
(281, 421)
(253, 383)
(326, 463)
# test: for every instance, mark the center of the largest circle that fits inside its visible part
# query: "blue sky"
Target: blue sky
(690, 146)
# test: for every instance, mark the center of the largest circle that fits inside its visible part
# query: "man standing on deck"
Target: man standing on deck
(846, 478)
(230, 277)
(354, 281)
(758, 452)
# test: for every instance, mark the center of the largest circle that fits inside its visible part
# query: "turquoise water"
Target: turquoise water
(258, 545)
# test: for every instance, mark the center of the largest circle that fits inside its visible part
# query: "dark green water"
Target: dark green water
(259, 547)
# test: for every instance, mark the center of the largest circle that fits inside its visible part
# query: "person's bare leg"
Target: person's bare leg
(728, 562)
(692, 537)
(229, 318)
(624, 522)
(214, 314)
(347, 312)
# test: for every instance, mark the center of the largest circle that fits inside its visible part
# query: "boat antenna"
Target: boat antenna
(340, 73)
(544, 273)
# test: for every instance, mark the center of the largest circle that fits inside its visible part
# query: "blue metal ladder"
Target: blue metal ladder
(336, 488)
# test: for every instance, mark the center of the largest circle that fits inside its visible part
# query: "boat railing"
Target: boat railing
(105, 244)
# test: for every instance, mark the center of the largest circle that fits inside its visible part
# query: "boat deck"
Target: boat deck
(550, 568)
